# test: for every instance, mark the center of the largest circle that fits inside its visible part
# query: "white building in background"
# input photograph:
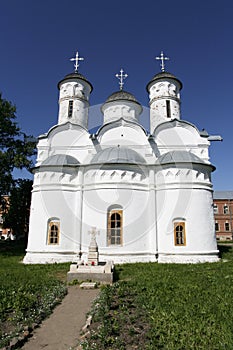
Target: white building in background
(149, 195)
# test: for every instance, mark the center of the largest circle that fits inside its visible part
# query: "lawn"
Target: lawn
(166, 306)
(28, 293)
(151, 306)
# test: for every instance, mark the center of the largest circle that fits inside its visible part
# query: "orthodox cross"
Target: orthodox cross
(162, 58)
(76, 59)
(121, 77)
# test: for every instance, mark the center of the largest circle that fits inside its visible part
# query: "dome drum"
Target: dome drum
(121, 104)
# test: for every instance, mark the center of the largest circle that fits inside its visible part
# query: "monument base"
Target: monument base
(102, 273)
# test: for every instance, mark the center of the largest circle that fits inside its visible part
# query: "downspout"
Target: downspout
(81, 215)
(230, 216)
(156, 220)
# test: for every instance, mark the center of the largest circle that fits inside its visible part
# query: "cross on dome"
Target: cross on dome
(121, 78)
(76, 59)
(162, 58)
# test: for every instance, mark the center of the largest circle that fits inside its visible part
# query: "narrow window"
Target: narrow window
(225, 209)
(216, 226)
(179, 233)
(70, 109)
(115, 227)
(215, 209)
(227, 226)
(168, 108)
(53, 232)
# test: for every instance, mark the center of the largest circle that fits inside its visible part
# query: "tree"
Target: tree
(17, 214)
(16, 148)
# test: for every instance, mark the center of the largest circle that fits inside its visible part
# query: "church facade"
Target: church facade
(148, 195)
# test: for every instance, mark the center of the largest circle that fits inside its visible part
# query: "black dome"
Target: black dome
(71, 76)
(121, 95)
(163, 75)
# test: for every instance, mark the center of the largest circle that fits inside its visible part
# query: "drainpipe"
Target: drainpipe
(230, 217)
(81, 215)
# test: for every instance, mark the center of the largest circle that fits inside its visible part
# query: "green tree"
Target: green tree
(16, 148)
(17, 215)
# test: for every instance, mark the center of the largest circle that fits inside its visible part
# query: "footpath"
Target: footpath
(61, 330)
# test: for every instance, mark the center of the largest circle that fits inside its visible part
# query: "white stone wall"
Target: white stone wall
(77, 91)
(159, 93)
(121, 109)
(124, 187)
(188, 200)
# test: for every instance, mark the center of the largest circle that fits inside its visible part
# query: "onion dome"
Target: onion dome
(118, 155)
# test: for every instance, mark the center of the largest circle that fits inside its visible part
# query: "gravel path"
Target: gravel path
(61, 330)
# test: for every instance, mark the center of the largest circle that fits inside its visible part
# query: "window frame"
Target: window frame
(110, 228)
(183, 231)
(217, 227)
(225, 209)
(51, 237)
(227, 225)
(215, 208)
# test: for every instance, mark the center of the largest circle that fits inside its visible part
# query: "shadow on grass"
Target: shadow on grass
(225, 251)
(116, 274)
(12, 248)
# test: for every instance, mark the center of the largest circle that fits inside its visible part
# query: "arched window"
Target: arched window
(115, 227)
(53, 232)
(179, 233)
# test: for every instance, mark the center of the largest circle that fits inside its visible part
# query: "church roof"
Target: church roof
(163, 76)
(179, 157)
(71, 76)
(118, 155)
(60, 159)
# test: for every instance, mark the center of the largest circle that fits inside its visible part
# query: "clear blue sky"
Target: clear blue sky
(39, 37)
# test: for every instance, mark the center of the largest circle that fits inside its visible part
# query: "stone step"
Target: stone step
(88, 285)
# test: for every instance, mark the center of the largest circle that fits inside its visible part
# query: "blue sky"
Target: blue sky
(39, 37)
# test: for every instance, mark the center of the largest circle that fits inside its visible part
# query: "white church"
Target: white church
(148, 195)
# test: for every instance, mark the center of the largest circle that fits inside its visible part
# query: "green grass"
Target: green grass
(28, 293)
(152, 306)
(166, 306)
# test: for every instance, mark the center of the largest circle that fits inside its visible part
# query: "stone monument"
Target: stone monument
(92, 270)
(93, 253)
